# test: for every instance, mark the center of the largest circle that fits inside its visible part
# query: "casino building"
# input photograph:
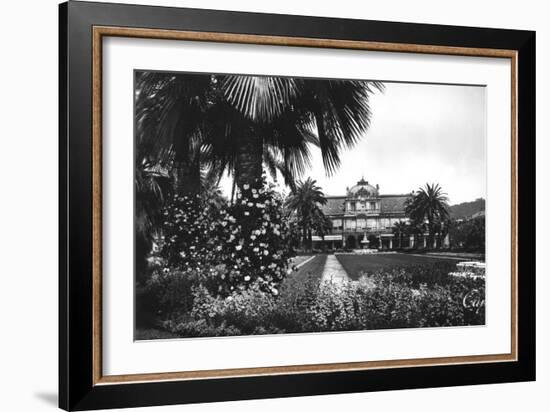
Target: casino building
(364, 218)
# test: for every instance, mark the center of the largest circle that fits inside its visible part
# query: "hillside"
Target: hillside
(467, 209)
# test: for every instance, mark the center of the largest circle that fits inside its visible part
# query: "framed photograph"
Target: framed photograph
(257, 205)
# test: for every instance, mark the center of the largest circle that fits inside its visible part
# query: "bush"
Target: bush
(257, 241)
(239, 246)
(383, 300)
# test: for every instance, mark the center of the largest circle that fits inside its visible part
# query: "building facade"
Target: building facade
(364, 218)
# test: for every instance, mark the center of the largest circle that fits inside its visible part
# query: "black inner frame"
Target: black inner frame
(76, 389)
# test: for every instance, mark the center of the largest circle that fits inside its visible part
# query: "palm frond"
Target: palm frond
(259, 98)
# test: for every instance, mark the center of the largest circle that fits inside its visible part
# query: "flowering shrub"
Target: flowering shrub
(221, 249)
(191, 233)
(257, 241)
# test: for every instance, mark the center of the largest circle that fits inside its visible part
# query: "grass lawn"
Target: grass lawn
(355, 264)
(314, 267)
(295, 282)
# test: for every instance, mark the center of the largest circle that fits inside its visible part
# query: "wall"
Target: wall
(28, 207)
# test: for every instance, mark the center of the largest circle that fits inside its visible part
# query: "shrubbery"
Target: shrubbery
(235, 247)
(223, 249)
(383, 300)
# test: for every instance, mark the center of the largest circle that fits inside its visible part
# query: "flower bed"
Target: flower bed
(423, 296)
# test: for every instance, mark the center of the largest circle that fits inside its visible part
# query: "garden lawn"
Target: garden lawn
(312, 270)
(355, 264)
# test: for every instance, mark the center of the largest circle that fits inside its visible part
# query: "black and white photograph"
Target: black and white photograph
(272, 205)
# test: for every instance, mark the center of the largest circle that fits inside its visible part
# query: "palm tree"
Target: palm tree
(428, 204)
(242, 122)
(305, 202)
(286, 111)
(399, 229)
(151, 183)
(194, 123)
(170, 123)
(320, 223)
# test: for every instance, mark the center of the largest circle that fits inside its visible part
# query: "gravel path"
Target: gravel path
(334, 271)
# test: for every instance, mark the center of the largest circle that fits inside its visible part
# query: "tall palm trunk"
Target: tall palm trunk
(187, 178)
(431, 234)
(186, 170)
(248, 167)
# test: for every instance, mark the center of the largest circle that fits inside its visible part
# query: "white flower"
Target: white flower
(250, 204)
(247, 278)
(256, 249)
(253, 237)
(245, 187)
(238, 247)
(255, 196)
(266, 252)
(247, 213)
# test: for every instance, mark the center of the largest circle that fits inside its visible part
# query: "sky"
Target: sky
(419, 133)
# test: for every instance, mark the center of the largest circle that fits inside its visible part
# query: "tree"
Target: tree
(469, 234)
(428, 204)
(170, 123)
(284, 112)
(400, 229)
(305, 202)
(193, 122)
(237, 123)
(322, 225)
(151, 182)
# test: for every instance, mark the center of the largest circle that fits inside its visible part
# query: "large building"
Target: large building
(364, 218)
